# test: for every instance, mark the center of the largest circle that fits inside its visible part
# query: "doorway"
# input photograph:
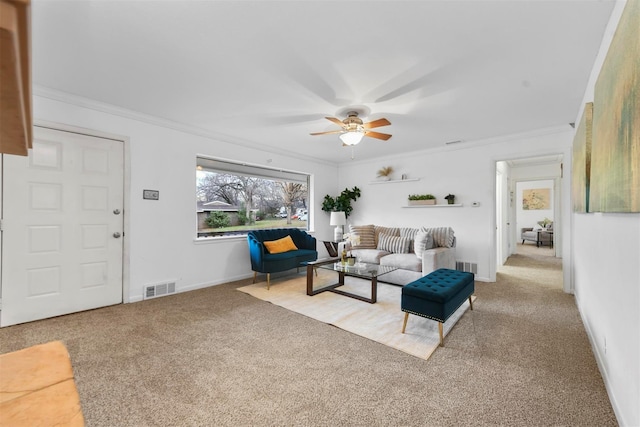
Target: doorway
(62, 226)
(535, 213)
(510, 176)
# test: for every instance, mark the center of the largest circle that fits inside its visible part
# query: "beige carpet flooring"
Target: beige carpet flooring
(381, 322)
(219, 357)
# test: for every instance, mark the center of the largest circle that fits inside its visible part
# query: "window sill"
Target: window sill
(219, 239)
(227, 239)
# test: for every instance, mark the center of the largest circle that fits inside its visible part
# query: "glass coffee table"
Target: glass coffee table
(361, 270)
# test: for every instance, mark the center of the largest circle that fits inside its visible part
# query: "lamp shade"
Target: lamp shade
(352, 137)
(337, 218)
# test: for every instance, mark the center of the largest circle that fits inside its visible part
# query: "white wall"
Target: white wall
(161, 234)
(606, 271)
(466, 170)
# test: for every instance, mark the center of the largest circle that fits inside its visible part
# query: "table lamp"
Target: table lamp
(338, 219)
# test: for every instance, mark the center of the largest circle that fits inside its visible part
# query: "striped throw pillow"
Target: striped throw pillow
(394, 244)
(410, 233)
(423, 241)
(442, 236)
(366, 234)
(385, 230)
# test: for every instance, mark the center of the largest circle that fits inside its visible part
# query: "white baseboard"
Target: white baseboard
(602, 367)
(138, 298)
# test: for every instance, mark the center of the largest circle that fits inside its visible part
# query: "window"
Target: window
(232, 198)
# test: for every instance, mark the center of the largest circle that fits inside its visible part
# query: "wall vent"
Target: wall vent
(159, 290)
(469, 267)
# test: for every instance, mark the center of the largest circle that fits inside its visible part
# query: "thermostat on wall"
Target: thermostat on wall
(150, 194)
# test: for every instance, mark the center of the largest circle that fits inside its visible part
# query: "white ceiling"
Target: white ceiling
(265, 73)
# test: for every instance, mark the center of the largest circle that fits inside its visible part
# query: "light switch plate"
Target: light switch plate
(150, 194)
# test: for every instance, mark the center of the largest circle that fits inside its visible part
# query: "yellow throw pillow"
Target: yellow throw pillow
(281, 245)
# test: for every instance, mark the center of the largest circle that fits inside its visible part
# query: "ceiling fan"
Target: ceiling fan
(353, 129)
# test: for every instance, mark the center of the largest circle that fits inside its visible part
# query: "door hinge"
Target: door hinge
(1, 224)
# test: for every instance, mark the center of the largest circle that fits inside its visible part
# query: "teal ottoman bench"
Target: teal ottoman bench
(437, 296)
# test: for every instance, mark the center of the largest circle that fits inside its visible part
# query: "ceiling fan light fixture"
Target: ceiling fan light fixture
(353, 129)
(352, 137)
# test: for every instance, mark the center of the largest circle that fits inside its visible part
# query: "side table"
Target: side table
(332, 247)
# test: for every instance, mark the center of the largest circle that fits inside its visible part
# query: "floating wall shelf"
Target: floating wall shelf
(393, 181)
(455, 205)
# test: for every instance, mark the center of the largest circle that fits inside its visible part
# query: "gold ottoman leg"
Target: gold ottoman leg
(404, 324)
(440, 332)
(268, 280)
(255, 274)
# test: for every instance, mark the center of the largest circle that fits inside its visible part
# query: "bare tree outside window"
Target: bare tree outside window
(231, 203)
(291, 194)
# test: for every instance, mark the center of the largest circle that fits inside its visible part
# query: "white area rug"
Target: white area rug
(381, 322)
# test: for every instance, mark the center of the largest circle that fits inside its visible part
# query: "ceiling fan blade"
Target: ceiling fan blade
(378, 135)
(328, 132)
(336, 121)
(376, 123)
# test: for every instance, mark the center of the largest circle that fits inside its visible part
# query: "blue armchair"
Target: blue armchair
(264, 262)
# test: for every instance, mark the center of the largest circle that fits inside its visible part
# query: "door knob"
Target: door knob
(116, 211)
(116, 235)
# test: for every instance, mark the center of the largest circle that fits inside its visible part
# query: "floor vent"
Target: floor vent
(159, 290)
(469, 267)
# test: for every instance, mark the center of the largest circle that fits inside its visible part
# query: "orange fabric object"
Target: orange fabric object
(281, 245)
(37, 388)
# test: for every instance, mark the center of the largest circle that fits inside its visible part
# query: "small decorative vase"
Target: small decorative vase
(351, 260)
(450, 201)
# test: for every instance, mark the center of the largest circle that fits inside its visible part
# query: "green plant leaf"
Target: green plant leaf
(341, 202)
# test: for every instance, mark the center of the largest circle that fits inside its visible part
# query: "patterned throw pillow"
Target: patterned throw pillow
(442, 236)
(411, 234)
(378, 229)
(423, 241)
(367, 236)
(394, 244)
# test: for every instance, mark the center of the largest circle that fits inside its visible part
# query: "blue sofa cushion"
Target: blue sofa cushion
(300, 253)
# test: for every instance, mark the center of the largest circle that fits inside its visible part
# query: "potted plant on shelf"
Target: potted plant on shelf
(422, 199)
(451, 198)
(385, 173)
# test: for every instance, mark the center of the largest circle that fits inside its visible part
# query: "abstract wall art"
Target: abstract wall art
(536, 199)
(615, 154)
(581, 169)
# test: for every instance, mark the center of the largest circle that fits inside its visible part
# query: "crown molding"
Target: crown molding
(91, 104)
(466, 144)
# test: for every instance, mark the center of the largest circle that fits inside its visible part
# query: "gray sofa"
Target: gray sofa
(415, 251)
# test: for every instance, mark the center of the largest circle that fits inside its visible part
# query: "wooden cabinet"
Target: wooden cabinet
(16, 123)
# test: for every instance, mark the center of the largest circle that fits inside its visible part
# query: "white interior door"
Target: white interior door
(62, 226)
